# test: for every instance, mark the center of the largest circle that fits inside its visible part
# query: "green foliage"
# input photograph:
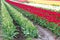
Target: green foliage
(27, 26)
(28, 38)
(8, 28)
(43, 22)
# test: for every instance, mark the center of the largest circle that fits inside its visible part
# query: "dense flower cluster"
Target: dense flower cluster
(47, 14)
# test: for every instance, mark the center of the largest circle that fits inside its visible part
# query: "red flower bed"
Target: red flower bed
(47, 14)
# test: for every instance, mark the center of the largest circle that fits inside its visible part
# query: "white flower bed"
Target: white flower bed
(50, 7)
(55, 8)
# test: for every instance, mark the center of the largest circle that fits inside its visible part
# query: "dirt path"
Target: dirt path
(1, 38)
(45, 34)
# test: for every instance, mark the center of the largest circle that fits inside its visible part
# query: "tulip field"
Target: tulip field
(24, 16)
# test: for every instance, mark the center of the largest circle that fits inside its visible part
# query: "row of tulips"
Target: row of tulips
(55, 28)
(7, 24)
(46, 14)
(28, 29)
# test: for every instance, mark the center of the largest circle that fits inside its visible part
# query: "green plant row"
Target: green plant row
(43, 22)
(28, 29)
(8, 28)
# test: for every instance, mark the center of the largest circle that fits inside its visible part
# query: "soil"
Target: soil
(20, 36)
(1, 38)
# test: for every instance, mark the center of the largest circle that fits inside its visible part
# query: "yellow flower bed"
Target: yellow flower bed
(45, 2)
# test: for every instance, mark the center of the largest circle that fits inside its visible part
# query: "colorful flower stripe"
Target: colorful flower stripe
(47, 14)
